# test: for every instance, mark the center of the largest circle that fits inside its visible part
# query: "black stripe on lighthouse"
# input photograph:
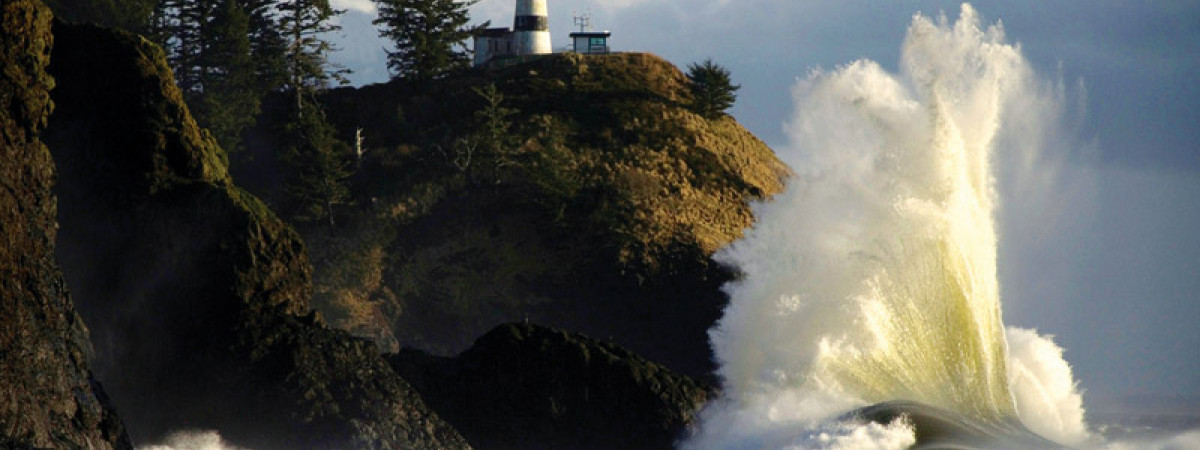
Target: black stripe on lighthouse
(531, 23)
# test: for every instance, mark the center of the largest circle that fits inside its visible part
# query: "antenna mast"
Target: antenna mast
(585, 21)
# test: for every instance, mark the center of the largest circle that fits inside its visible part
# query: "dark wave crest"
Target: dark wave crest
(938, 428)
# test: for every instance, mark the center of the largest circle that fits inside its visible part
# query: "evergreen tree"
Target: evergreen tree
(712, 90)
(492, 130)
(320, 166)
(227, 54)
(302, 23)
(159, 26)
(230, 95)
(319, 161)
(211, 49)
(177, 26)
(429, 36)
(267, 44)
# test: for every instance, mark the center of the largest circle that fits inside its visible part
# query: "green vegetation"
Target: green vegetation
(227, 55)
(576, 191)
(319, 165)
(428, 36)
(230, 100)
(582, 192)
(132, 15)
(713, 92)
(302, 23)
(318, 161)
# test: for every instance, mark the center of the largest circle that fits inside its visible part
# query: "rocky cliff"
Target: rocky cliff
(524, 386)
(198, 294)
(48, 397)
(575, 191)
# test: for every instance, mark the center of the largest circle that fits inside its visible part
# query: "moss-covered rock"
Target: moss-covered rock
(198, 293)
(596, 210)
(48, 398)
(524, 386)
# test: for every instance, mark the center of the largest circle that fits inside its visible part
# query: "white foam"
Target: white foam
(897, 435)
(873, 276)
(781, 424)
(192, 440)
(1046, 393)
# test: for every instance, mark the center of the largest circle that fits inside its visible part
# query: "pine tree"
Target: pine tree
(227, 54)
(268, 46)
(230, 95)
(712, 90)
(177, 26)
(492, 130)
(429, 36)
(320, 166)
(211, 48)
(319, 161)
(308, 69)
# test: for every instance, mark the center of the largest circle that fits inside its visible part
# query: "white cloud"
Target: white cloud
(366, 6)
(498, 11)
(619, 4)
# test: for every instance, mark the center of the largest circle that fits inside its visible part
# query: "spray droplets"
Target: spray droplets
(873, 276)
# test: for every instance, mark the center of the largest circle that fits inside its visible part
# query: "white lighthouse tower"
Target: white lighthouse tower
(531, 28)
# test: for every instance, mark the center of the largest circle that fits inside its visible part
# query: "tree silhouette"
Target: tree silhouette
(429, 36)
(713, 91)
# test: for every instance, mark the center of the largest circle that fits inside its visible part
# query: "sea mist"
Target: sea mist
(873, 276)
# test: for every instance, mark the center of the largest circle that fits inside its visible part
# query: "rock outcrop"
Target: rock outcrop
(524, 386)
(48, 397)
(582, 193)
(598, 208)
(198, 294)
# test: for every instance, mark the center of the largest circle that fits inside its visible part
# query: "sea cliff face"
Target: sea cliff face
(197, 292)
(48, 397)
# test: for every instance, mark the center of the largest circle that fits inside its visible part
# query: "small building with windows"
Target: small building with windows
(493, 43)
(591, 42)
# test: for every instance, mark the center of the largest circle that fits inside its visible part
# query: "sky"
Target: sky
(1103, 251)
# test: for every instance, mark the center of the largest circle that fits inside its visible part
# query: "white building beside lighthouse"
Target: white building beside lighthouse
(530, 34)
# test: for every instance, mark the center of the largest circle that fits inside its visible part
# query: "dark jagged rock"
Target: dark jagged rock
(48, 398)
(524, 386)
(198, 293)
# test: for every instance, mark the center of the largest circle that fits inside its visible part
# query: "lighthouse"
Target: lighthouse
(530, 35)
(531, 28)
